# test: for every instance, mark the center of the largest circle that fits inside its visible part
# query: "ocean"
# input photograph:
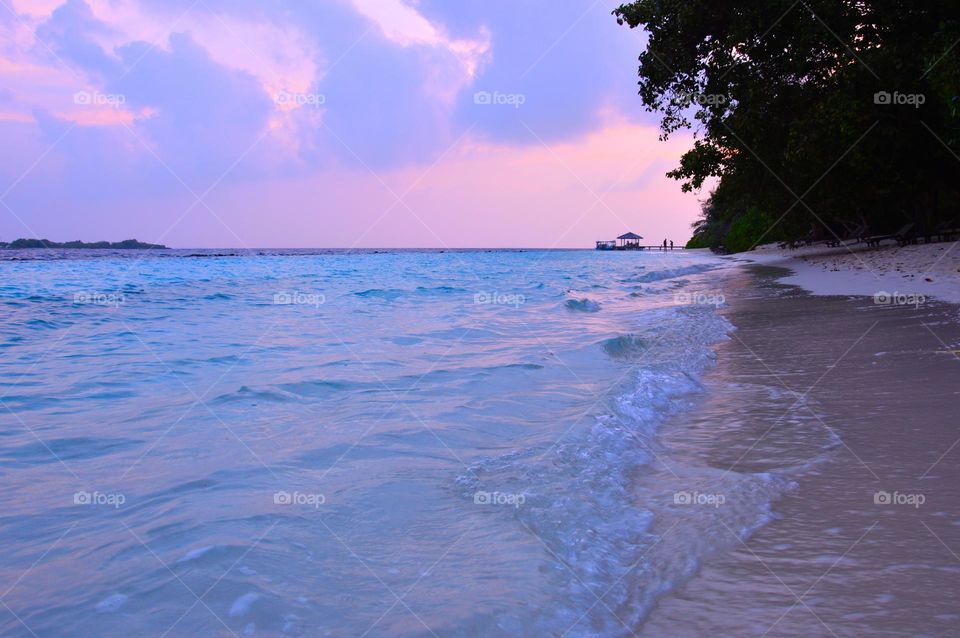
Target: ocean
(363, 443)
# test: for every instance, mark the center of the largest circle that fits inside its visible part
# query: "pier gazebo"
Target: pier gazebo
(629, 241)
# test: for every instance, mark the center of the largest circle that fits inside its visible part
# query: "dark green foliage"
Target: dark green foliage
(747, 230)
(782, 96)
(699, 241)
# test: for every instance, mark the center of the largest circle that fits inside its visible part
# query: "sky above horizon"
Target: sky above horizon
(333, 123)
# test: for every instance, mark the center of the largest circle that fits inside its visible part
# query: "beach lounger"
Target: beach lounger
(855, 233)
(806, 240)
(903, 236)
(908, 237)
(837, 237)
(947, 230)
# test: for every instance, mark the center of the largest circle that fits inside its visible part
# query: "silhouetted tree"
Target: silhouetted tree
(808, 111)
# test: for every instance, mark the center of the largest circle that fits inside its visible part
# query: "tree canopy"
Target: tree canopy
(812, 115)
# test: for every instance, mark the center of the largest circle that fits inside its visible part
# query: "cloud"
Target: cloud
(203, 117)
(71, 33)
(569, 61)
(187, 114)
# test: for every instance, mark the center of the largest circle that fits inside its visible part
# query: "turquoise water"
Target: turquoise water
(343, 443)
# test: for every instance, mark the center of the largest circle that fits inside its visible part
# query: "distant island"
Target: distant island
(126, 244)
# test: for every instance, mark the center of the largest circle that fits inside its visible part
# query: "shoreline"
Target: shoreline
(848, 400)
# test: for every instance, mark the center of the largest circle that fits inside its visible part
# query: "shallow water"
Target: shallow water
(353, 443)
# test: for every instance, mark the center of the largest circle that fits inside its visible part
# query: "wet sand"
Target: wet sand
(856, 405)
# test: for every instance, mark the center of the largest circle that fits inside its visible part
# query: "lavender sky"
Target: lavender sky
(340, 123)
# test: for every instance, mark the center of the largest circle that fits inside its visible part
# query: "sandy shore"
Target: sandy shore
(929, 270)
(855, 403)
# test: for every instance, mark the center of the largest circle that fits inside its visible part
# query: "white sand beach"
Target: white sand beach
(930, 270)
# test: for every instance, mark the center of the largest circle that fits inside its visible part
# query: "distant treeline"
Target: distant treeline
(817, 116)
(46, 243)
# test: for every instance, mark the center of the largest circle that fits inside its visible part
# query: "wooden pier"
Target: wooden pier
(640, 247)
(631, 241)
